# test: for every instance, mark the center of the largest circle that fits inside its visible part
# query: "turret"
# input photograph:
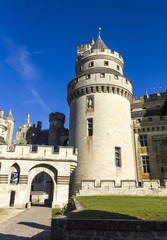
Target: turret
(56, 121)
(100, 122)
(10, 126)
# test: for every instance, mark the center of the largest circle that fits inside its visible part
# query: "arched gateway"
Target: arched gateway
(30, 164)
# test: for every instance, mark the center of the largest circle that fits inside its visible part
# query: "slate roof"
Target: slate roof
(99, 44)
(9, 116)
(145, 113)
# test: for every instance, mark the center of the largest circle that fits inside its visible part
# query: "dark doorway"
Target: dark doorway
(42, 190)
(12, 198)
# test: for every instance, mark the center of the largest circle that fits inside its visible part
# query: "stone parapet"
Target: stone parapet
(99, 229)
(125, 187)
(42, 152)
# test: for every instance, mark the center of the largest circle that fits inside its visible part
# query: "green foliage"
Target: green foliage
(57, 212)
(123, 207)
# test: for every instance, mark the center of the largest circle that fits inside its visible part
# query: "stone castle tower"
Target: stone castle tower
(100, 119)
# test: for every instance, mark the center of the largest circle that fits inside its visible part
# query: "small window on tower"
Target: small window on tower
(102, 75)
(89, 103)
(91, 64)
(118, 68)
(118, 156)
(116, 76)
(80, 69)
(90, 127)
(105, 63)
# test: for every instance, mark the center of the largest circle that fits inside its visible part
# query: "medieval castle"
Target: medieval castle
(116, 143)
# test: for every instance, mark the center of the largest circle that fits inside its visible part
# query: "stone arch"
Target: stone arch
(51, 171)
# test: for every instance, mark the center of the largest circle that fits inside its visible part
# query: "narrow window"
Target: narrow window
(91, 64)
(143, 140)
(161, 118)
(157, 128)
(118, 156)
(148, 129)
(102, 75)
(105, 63)
(116, 76)
(126, 81)
(163, 128)
(146, 164)
(80, 69)
(153, 129)
(90, 127)
(162, 169)
(150, 119)
(118, 68)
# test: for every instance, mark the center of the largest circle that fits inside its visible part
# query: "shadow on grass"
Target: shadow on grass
(95, 214)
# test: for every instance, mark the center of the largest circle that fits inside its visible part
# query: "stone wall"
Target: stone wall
(147, 188)
(89, 229)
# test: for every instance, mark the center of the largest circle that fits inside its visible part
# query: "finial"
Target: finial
(99, 31)
(10, 111)
(147, 94)
(93, 42)
(27, 118)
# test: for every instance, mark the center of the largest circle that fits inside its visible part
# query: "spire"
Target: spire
(9, 116)
(93, 42)
(27, 118)
(99, 32)
(99, 44)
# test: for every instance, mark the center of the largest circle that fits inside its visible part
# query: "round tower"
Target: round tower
(100, 119)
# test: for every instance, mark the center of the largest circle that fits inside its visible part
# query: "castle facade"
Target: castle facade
(121, 140)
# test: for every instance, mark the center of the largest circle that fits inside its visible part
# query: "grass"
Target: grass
(57, 212)
(123, 207)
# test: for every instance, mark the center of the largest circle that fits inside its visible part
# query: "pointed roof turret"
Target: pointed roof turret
(9, 116)
(99, 44)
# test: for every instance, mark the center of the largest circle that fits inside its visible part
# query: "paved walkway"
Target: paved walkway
(32, 224)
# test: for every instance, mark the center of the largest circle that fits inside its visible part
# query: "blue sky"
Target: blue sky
(38, 45)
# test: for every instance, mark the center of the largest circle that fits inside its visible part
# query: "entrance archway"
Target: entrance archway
(42, 185)
(42, 190)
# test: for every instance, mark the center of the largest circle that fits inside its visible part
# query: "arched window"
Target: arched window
(15, 173)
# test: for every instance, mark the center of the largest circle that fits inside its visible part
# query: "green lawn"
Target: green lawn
(123, 207)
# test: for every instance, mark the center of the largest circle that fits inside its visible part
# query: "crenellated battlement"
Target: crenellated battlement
(151, 97)
(41, 152)
(87, 51)
(56, 116)
(124, 187)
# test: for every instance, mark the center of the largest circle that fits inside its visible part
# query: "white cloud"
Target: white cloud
(20, 60)
(39, 99)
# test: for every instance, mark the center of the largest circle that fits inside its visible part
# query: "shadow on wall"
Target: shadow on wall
(45, 234)
(95, 214)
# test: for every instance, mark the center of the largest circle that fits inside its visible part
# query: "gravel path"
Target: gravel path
(32, 224)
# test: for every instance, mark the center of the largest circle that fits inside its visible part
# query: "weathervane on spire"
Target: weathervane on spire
(99, 31)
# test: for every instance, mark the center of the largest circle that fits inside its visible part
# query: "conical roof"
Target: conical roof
(9, 116)
(99, 44)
